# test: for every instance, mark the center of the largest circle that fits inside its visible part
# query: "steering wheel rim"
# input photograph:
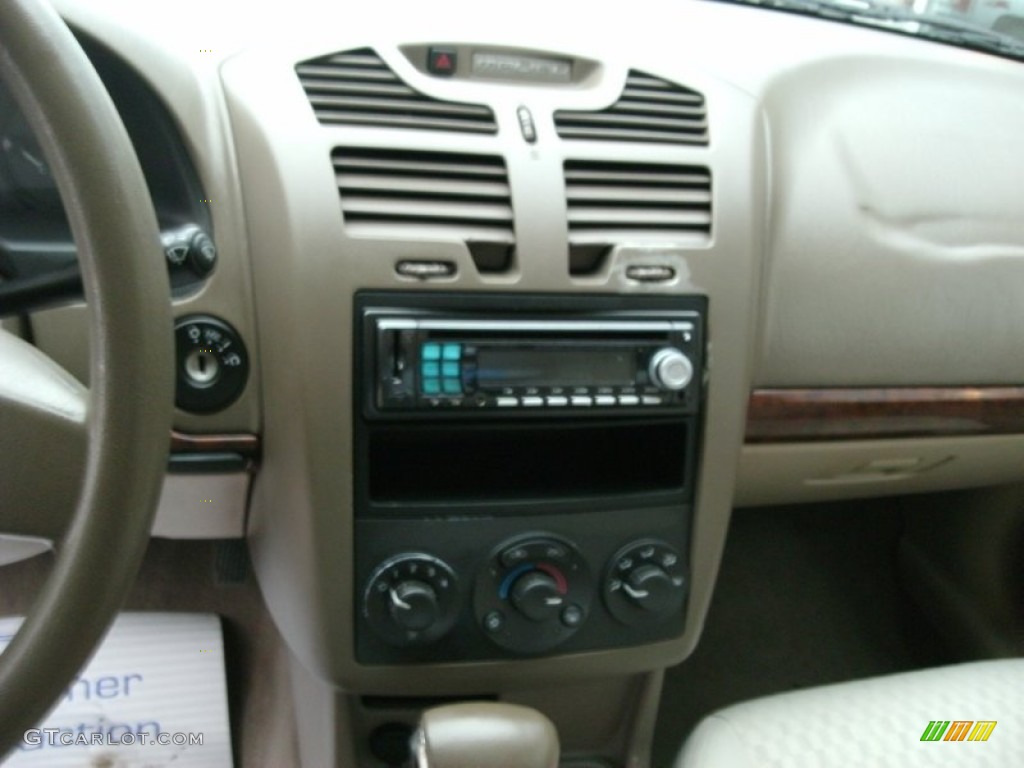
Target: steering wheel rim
(131, 393)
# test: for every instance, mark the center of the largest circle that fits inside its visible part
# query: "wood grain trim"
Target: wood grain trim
(796, 415)
(245, 445)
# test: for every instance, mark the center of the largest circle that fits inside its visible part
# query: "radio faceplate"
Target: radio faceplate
(433, 361)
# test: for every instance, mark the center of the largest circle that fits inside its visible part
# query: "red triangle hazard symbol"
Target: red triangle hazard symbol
(443, 62)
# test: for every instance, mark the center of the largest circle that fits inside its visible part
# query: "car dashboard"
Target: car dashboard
(505, 312)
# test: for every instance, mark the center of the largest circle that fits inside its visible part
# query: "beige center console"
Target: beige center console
(505, 300)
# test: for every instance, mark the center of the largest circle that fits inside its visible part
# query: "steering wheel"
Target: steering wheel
(49, 424)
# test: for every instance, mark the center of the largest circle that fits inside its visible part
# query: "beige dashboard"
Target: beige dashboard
(864, 230)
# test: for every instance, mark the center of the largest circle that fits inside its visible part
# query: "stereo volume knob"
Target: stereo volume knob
(670, 369)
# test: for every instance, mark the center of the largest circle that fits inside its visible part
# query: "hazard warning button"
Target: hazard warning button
(442, 61)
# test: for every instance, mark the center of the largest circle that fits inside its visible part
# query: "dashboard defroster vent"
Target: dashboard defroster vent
(358, 88)
(406, 194)
(650, 109)
(610, 203)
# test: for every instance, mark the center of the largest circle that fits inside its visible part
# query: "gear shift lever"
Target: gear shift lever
(485, 735)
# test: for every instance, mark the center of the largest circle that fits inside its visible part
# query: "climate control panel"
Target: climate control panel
(529, 594)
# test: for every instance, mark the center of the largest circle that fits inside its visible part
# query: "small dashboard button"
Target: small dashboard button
(572, 615)
(651, 400)
(604, 400)
(582, 400)
(557, 400)
(533, 402)
(506, 402)
(629, 400)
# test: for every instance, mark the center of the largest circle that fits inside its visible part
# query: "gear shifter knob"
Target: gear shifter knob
(485, 735)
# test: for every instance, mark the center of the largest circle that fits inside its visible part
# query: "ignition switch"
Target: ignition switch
(212, 364)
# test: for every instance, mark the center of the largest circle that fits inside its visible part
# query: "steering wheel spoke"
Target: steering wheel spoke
(43, 441)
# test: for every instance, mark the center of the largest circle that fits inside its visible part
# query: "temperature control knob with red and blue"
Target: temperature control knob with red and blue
(534, 594)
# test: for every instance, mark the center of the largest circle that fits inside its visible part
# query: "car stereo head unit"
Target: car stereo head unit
(427, 361)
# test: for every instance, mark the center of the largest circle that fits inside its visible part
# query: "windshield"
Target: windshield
(991, 26)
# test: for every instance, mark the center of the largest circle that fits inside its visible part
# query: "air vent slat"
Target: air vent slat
(354, 59)
(650, 137)
(470, 232)
(425, 195)
(328, 73)
(616, 216)
(628, 177)
(427, 168)
(317, 89)
(649, 109)
(609, 203)
(639, 195)
(374, 105)
(438, 187)
(398, 121)
(619, 121)
(422, 210)
(358, 88)
(652, 108)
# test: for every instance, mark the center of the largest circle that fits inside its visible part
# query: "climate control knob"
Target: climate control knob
(670, 369)
(411, 599)
(536, 596)
(650, 588)
(646, 583)
(533, 594)
(413, 605)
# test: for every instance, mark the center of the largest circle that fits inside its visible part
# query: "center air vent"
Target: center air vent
(611, 203)
(358, 88)
(649, 110)
(403, 194)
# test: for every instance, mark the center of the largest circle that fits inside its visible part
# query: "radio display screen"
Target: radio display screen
(522, 367)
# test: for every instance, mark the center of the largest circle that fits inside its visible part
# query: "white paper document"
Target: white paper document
(153, 695)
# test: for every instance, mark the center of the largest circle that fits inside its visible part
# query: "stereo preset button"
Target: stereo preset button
(557, 400)
(582, 400)
(449, 369)
(431, 387)
(651, 400)
(431, 352)
(431, 368)
(604, 400)
(451, 351)
(532, 402)
(506, 402)
(629, 400)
